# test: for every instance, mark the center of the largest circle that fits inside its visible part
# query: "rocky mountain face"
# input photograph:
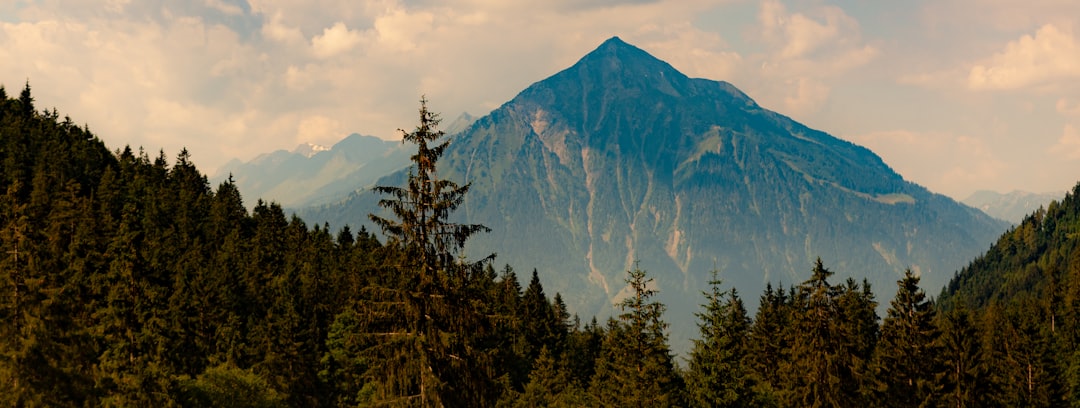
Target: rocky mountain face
(312, 174)
(1012, 206)
(622, 159)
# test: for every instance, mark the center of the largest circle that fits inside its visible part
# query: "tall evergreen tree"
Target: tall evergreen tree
(965, 383)
(857, 321)
(815, 372)
(769, 345)
(635, 368)
(907, 356)
(422, 334)
(717, 376)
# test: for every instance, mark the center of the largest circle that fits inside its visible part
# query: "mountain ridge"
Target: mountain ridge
(621, 159)
(1012, 206)
(312, 174)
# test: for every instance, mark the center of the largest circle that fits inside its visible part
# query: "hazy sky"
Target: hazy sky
(956, 95)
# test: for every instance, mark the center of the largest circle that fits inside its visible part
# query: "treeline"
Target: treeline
(127, 280)
(1024, 292)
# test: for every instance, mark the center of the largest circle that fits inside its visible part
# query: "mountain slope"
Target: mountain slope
(1040, 255)
(309, 175)
(1013, 206)
(621, 158)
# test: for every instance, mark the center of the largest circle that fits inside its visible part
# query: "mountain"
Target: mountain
(622, 159)
(1013, 206)
(459, 124)
(1037, 257)
(1023, 301)
(313, 174)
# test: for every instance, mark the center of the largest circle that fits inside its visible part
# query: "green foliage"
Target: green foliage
(635, 367)
(226, 386)
(965, 382)
(127, 281)
(424, 334)
(907, 355)
(717, 376)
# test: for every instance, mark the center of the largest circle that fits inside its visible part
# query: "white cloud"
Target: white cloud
(815, 40)
(944, 162)
(230, 81)
(806, 53)
(319, 129)
(275, 29)
(1049, 57)
(1068, 146)
(1064, 107)
(335, 40)
(403, 31)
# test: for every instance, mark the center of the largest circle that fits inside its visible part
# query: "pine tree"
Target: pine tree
(815, 371)
(857, 321)
(422, 209)
(965, 383)
(422, 334)
(717, 376)
(538, 319)
(769, 345)
(549, 383)
(635, 368)
(906, 357)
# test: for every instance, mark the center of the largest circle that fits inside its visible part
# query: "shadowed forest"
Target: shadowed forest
(127, 280)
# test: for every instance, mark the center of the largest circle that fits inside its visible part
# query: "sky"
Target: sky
(955, 95)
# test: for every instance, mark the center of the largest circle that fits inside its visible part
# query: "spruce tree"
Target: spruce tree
(814, 372)
(769, 345)
(635, 368)
(906, 357)
(422, 333)
(717, 376)
(857, 321)
(965, 383)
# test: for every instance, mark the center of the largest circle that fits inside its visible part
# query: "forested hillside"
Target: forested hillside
(127, 280)
(1025, 294)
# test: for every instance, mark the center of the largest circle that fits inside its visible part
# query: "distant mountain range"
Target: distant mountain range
(313, 174)
(1013, 206)
(621, 158)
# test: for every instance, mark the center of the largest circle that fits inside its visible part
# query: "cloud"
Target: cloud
(806, 97)
(319, 128)
(275, 29)
(1064, 107)
(1068, 146)
(942, 161)
(806, 53)
(335, 40)
(228, 9)
(814, 43)
(1049, 57)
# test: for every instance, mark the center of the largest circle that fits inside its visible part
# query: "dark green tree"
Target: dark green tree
(769, 345)
(717, 376)
(635, 368)
(857, 321)
(907, 355)
(423, 333)
(965, 383)
(817, 367)
(421, 209)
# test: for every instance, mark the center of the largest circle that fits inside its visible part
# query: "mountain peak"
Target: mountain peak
(615, 41)
(618, 55)
(309, 149)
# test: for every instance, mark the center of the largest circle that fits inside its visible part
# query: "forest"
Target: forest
(127, 280)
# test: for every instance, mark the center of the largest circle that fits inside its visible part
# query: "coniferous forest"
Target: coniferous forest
(127, 280)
